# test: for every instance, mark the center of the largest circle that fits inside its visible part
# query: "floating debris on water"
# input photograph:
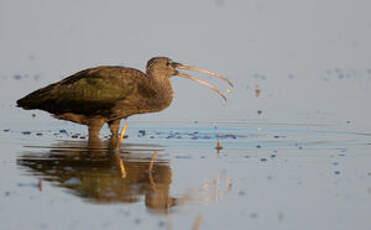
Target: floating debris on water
(337, 172)
(263, 159)
(218, 146)
(259, 112)
(63, 131)
(26, 132)
(6, 130)
(259, 76)
(137, 221)
(17, 77)
(241, 193)
(193, 135)
(39, 134)
(183, 157)
(161, 223)
(258, 146)
(257, 91)
(344, 74)
(226, 136)
(33, 115)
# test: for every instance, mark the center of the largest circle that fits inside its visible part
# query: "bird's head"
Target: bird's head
(165, 68)
(161, 66)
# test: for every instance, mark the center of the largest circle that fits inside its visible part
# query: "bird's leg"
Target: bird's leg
(94, 127)
(121, 165)
(114, 127)
(150, 176)
(94, 143)
(152, 161)
(121, 136)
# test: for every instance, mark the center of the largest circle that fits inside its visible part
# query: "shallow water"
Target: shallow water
(266, 175)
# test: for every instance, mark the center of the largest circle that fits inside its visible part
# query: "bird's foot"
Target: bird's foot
(121, 135)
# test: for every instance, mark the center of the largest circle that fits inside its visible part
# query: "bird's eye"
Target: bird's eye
(168, 63)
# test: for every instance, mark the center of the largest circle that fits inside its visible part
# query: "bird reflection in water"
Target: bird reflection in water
(104, 175)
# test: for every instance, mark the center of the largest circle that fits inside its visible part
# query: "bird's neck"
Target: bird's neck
(164, 91)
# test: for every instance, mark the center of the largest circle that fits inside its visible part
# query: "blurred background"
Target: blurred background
(310, 60)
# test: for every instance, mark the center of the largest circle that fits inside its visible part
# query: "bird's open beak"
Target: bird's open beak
(192, 68)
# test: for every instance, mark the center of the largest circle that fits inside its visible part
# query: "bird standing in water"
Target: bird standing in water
(106, 94)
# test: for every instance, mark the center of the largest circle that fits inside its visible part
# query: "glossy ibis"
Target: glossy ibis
(103, 94)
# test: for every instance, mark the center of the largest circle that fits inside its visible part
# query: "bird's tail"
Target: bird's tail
(27, 103)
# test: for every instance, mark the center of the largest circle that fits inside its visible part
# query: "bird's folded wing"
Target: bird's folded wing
(87, 92)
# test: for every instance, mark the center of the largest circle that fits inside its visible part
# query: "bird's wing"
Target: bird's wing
(89, 92)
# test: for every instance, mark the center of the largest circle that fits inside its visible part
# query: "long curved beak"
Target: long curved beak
(197, 69)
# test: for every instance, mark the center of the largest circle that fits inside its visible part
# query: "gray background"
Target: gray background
(310, 58)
